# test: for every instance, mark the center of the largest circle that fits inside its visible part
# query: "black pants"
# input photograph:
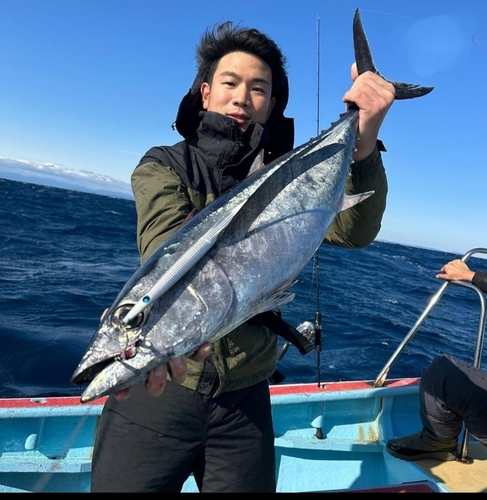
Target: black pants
(452, 393)
(153, 444)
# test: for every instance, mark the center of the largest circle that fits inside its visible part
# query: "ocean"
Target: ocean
(66, 254)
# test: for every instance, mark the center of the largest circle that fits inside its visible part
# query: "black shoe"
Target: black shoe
(422, 445)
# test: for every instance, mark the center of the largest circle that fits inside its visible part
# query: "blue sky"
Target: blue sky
(91, 85)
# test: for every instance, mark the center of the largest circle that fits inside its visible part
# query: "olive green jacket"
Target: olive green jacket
(248, 354)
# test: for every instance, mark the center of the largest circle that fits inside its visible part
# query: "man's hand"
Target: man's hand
(156, 382)
(374, 96)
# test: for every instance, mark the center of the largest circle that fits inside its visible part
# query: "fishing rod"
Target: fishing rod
(317, 328)
(307, 328)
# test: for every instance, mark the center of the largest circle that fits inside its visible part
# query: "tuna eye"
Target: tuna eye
(122, 311)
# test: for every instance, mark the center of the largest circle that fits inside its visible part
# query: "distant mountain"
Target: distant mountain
(48, 174)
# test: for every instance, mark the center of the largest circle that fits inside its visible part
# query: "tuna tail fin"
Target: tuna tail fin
(363, 58)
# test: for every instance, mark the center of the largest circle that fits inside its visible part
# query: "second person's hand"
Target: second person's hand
(456, 270)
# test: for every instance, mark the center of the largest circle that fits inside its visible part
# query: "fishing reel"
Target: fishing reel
(307, 329)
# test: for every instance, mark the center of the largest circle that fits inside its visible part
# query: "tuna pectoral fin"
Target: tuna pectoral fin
(276, 300)
(351, 200)
(182, 265)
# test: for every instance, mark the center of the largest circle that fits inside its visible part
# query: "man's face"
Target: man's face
(241, 89)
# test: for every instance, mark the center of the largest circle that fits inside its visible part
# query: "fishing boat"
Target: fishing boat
(329, 437)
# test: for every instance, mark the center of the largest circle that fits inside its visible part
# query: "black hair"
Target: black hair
(222, 39)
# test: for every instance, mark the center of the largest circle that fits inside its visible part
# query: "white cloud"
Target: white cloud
(53, 175)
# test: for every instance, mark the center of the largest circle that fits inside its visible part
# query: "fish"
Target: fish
(236, 258)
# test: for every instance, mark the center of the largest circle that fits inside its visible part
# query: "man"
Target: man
(211, 415)
(451, 393)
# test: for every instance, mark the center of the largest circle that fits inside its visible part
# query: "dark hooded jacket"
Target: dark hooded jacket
(480, 279)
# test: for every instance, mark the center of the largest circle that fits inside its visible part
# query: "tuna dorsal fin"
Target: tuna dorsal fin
(351, 200)
(257, 164)
(274, 184)
(363, 58)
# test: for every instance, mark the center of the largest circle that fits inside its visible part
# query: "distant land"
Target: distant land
(48, 174)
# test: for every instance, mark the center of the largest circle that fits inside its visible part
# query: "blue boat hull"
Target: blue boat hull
(328, 438)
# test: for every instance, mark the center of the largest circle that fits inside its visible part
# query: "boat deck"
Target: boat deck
(458, 476)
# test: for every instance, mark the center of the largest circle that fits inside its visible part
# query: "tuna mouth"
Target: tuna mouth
(88, 374)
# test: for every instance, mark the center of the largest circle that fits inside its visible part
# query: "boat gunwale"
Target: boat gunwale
(275, 391)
